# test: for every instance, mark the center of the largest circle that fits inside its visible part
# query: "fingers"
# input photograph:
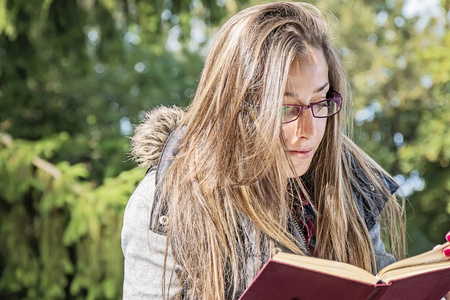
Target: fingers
(447, 237)
(446, 252)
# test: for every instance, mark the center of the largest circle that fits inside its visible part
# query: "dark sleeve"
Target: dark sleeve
(382, 258)
(370, 201)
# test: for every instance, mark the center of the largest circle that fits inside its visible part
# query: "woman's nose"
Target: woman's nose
(306, 127)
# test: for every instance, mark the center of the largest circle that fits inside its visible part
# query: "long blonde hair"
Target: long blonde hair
(231, 169)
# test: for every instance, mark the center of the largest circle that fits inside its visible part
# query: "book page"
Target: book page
(414, 270)
(424, 259)
(335, 268)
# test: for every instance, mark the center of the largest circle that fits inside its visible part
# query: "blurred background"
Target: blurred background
(76, 75)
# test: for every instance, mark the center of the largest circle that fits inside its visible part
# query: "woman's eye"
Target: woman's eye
(290, 112)
(323, 104)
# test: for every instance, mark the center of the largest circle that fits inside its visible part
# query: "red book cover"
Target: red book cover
(428, 286)
(282, 281)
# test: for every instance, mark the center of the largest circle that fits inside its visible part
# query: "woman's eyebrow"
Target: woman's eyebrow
(294, 95)
(321, 88)
(289, 94)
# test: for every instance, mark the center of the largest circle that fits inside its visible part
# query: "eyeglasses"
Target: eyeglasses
(322, 109)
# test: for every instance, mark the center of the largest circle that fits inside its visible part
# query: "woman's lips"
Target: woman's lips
(302, 153)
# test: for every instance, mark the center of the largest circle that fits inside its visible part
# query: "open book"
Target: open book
(288, 276)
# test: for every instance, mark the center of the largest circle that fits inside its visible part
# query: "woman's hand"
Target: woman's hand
(446, 252)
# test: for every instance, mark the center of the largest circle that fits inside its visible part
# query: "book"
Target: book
(293, 277)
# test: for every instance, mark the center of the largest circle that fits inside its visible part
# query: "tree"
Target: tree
(399, 71)
(75, 75)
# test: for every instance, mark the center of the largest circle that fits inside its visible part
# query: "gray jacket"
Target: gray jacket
(144, 230)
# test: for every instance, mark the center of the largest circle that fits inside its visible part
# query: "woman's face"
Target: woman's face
(307, 83)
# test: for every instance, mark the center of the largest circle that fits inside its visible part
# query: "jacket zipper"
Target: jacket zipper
(302, 235)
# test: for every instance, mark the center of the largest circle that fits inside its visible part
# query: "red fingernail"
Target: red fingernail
(447, 237)
(447, 252)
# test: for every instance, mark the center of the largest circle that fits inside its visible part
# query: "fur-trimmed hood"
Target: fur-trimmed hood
(152, 133)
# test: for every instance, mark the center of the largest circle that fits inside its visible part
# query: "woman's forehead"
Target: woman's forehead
(308, 73)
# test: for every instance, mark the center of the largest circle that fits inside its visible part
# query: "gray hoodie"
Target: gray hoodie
(144, 229)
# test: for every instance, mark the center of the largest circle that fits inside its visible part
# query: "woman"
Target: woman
(259, 163)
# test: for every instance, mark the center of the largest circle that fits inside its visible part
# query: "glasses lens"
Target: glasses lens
(322, 109)
(290, 113)
(327, 108)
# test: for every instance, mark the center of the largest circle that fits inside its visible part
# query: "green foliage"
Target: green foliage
(400, 76)
(59, 232)
(75, 74)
